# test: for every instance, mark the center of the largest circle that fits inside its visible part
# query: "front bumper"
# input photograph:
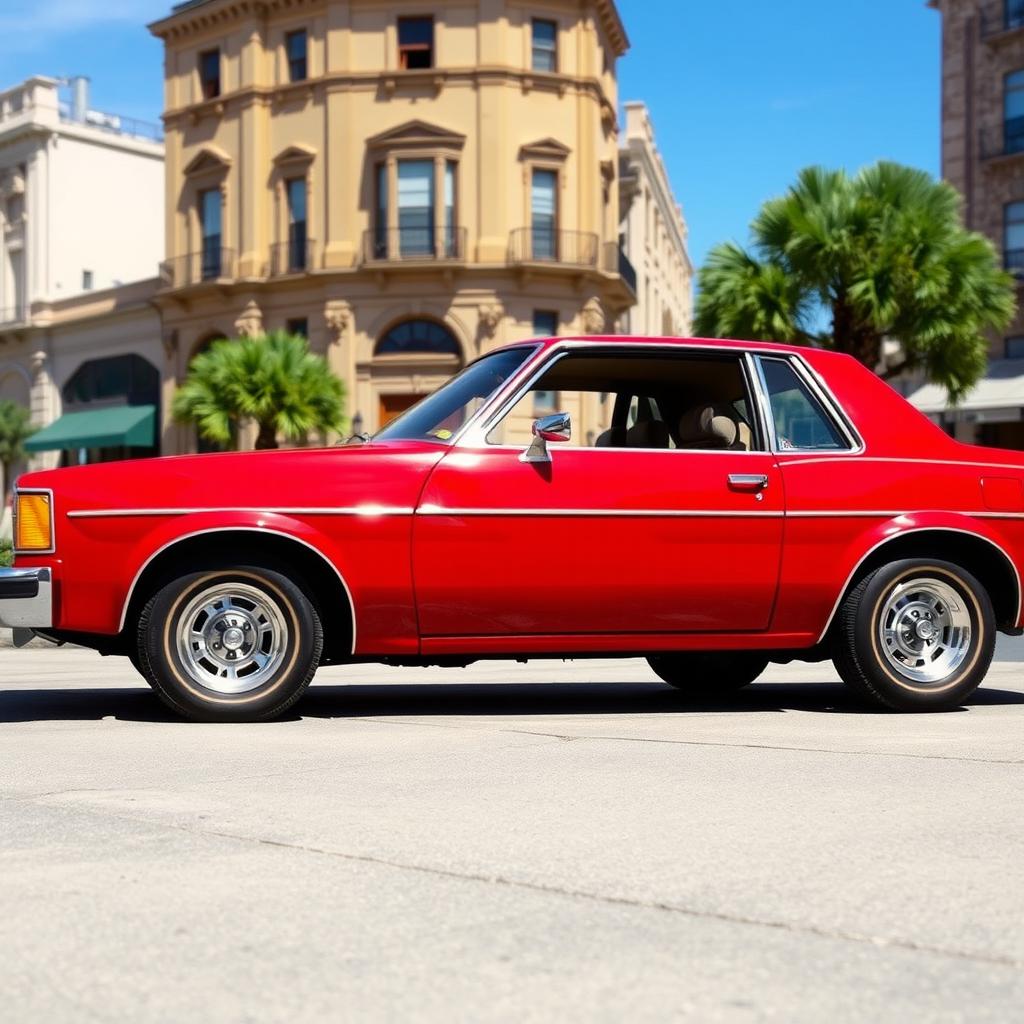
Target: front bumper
(26, 598)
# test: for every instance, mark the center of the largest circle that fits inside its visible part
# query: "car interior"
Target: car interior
(690, 402)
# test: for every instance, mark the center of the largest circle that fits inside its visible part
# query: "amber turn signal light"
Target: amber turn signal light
(33, 523)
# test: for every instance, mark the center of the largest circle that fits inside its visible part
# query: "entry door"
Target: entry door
(392, 406)
(598, 541)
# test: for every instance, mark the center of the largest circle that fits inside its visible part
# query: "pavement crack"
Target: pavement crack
(770, 746)
(792, 927)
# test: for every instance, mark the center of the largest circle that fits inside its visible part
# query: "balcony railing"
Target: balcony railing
(1006, 139)
(545, 245)
(1013, 261)
(292, 257)
(211, 264)
(414, 245)
(999, 16)
(617, 262)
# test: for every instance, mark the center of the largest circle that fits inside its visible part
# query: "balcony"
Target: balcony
(213, 263)
(414, 245)
(998, 17)
(295, 256)
(545, 245)
(1002, 141)
(617, 262)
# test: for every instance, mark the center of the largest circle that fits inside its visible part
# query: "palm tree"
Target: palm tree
(845, 263)
(15, 430)
(273, 379)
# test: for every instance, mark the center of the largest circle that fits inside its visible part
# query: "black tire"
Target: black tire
(874, 644)
(271, 617)
(708, 672)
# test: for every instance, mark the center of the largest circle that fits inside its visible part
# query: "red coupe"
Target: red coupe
(725, 505)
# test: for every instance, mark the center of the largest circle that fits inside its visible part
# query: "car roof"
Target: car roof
(625, 340)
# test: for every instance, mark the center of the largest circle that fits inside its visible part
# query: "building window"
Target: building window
(86, 280)
(416, 207)
(545, 45)
(295, 43)
(1013, 112)
(449, 209)
(418, 336)
(297, 257)
(545, 323)
(1013, 237)
(415, 43)
(544, 214)
(210, 229)
(209, 73)
(1014, 14)
(298, 325)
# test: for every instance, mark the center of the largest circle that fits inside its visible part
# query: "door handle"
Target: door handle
(748, 481)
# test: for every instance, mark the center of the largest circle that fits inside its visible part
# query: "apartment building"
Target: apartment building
(983, 156)
(408, 184)
(652, 234)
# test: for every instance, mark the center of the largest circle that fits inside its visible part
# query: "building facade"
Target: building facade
(81, 212)
(983, 157)
(652, 234)
(408, 184)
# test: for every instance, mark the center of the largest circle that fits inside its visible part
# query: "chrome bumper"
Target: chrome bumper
(26, 598)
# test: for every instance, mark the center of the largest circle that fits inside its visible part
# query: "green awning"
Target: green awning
(130, 426)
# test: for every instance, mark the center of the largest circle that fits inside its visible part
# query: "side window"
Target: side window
(642, 400)
(800, 422)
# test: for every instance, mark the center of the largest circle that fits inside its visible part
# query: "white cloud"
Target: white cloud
(24, 22)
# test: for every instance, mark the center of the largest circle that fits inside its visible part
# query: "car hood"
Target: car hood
(386, 473)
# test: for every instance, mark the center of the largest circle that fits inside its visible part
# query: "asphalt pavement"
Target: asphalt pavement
(556, 841)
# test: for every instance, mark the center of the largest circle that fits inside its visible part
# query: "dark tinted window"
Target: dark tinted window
(800, 421)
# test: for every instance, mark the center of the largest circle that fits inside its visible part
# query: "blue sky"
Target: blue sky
(743, 93)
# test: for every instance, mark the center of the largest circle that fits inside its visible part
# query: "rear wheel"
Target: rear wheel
(705, 673)
(915, 635)
(230, 644)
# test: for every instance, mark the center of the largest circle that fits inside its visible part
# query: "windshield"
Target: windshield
(440, 416)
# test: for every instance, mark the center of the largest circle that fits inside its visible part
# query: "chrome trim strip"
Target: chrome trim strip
(239, 529)
(367, 511)
(761, 413)
(603, 513)
(53, 521)
(832, 406)
(809, 457)
(905, 533)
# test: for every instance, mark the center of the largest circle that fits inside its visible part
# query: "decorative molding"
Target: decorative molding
(250, 322)
(491, 315)
(209, 160)
(337, 317)
(297, 153)
(592, 316)
(416, 134)
(169, 337)
(544, 149)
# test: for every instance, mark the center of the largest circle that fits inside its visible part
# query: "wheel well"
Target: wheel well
(300, 563)
(978, 556)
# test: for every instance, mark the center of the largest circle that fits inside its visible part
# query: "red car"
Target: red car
(725, 505)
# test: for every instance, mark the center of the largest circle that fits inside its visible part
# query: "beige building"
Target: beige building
(652, 234)
(983, 156)
(81, 200)
(409, 184)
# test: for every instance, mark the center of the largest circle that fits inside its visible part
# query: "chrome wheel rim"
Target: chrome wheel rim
(232, 638)
(925, 630)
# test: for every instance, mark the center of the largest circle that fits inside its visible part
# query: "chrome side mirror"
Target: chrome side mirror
(557, 427)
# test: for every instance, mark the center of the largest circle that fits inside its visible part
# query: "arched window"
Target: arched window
(418, 336)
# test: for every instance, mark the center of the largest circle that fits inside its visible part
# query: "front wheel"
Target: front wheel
(708, 672)
(915, 635)
(230, 644)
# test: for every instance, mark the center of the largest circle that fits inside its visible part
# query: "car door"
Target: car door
(600, 540)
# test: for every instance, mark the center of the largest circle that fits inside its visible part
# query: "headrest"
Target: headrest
(699, 427)
(647, 434)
